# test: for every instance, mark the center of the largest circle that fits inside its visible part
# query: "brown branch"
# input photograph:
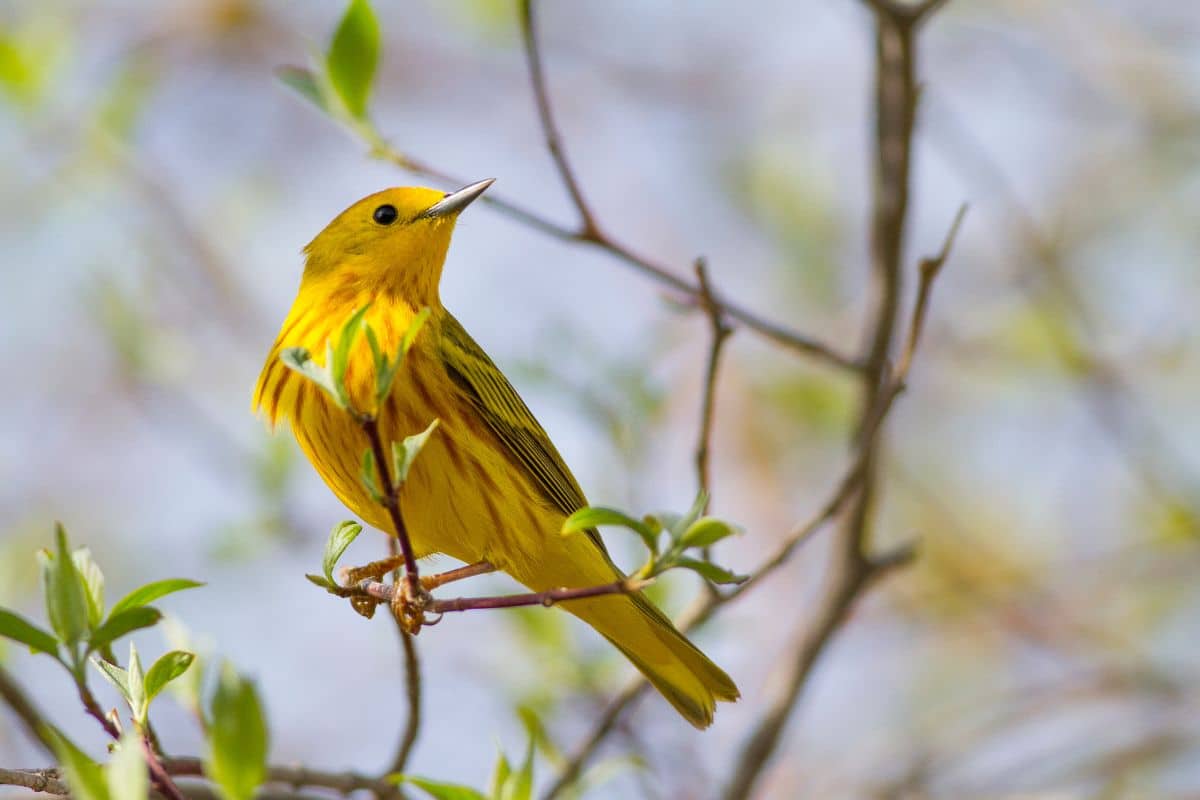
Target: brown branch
(390, 500)
(295, 777)
(720, 332)
(655, 270)
(853, 570)
(587, 227)
(29, 714)
(37, 780)
(412, 680)
(387, 593)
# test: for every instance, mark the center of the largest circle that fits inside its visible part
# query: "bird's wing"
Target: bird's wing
(509, 418)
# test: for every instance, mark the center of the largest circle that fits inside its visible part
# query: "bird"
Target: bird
(489, 485)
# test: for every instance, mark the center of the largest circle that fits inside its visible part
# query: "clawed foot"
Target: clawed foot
(413, 599)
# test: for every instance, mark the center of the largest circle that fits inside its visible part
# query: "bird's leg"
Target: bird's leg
(352, 576)
(431, 582)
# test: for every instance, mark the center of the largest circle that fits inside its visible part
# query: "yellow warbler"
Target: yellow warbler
(489, 485)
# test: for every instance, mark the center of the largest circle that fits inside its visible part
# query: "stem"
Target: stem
(391, 502)
(385, 593)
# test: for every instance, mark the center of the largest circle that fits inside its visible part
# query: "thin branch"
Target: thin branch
(295, 777)
(387, 593)
(391, 501)
(720, 331)
(854, 571)
(37, 780)
(412, 681)
(655, 270)
(587, 228)
(28, 713)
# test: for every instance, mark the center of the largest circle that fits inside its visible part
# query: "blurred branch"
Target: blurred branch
(854, 570)
(720, 331)
(23, 707)
(37, 780)
(412, 683)
(589, 232)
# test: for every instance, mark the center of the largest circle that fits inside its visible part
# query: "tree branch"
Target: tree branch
(854, 571)
(720, 331)
(29, 714)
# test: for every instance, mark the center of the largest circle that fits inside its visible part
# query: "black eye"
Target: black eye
(385, 215)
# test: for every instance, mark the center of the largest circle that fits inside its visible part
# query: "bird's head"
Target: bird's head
(393, 241)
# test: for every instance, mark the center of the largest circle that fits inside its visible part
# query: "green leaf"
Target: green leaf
(519, 784)
(438, 789)
(500, 774)
(115, 675)
(150, 592)
(188, 689)
(594, 516)
(405, 454)
(304, 83)
(65, 598)
(414, 328)
(167, 668)
(317, 580)
(237, 737)
(353, 56)
(340, 538)
(710, 571)
(93, 584)
(367, 476)
(340, 360)
(14, 626)
(126, 775)
(138, 702)
(298, 359)
(84, 776)
(680, 524)
(707, 531)
(117, 625)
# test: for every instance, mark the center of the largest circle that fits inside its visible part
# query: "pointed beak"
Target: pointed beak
(456, 201)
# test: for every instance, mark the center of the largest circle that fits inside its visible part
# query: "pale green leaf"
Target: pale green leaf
(126, 775)
(353, 56)
(340, 538)
(147, 594)
(14, 626)
(405, 454)
(237, 737)
(93, 584)
(122, 623)
(84, 776)
(167, 668)
(707, 531)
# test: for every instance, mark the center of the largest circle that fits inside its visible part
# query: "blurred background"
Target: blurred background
(157, 184)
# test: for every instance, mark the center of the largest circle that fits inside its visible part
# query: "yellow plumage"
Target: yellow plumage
(489, 484)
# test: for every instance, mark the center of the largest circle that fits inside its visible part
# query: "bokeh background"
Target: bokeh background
(157, 184)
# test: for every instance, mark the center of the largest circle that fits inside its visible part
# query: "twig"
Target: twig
(412, 684)
(296, 777)
(853, 571)
(587, 228)
(37, 780)
(390, 500)
(720, 331)
(29, 714)
(386, 593)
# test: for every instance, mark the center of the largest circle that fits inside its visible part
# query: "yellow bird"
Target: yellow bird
(489, 485)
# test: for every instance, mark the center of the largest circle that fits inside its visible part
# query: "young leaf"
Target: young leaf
(67, 605)
(693, 514)
(439, 790)
(710, 571)
(167, 668)
(519, 785)
(14, 626)
(367, 476)
(126, 775)
(405, 454)
(115, 675)
(706, 531)
(353, 56)
(340, 360)
(237, 737)
(93, 584)
(595, 516)
(304, 83)
(340, 538)
(298, 359)
(414, 328)
(500, 775)
(150, 592)
(117, 625)
(84, 776)
(137, 686)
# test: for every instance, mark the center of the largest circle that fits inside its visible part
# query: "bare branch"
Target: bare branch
(37, 780)
(23, 706)
(719, 332)
(388, 593)
(587, 229)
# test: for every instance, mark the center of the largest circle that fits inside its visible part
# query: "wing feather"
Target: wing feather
(507, 416)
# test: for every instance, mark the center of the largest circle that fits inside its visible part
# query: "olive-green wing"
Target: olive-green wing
(509, 418)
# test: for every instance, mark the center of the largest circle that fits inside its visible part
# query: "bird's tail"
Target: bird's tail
(686, 677)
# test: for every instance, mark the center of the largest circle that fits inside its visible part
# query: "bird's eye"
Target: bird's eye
(386, 215)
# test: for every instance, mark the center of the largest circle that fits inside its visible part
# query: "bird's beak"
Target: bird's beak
(457, 201)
